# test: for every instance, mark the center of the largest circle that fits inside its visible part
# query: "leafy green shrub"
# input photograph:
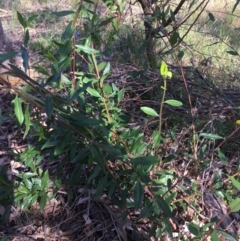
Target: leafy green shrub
(77, 122)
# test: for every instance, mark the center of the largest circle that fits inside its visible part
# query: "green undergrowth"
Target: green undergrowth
(78, 125)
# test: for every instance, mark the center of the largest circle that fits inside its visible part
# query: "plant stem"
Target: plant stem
(161, 105)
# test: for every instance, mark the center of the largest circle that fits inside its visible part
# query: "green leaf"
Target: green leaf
(101, 186)
(227, 236)
(62, 13)
(234, 53)
(174, 38)
(168, 227)
(4, 57)
(211, 136)
(149, 111)
(138, 195)
(235, 205)
(211, 16)
(86, 49)
(194, 229)
(27, 183)
(21, 20)
(18, 109)
(26, 174)
(163, 205)
(26, 121)
(222, 157)
(145, 160)
(54, 78)
(45, 180)
(97, 157)
(41, 70)
(234, 182)
(26, 38)
(214, 236)
(93, 92)
(156, 138)
(175, 103)
(169, 158)
(25, 58)
(68, 32)
(107, 68)
(180, 54)
(50, 56)
(43, 201)
(142, 47)
(163, 69)
(49, 106)
(235, 5)
(145, 212)
(82, 120)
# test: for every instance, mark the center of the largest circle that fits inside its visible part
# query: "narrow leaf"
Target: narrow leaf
(164, 206)
(26, 121)
(235, 182)
(86, 49)
(211, 136)
(138, 195)
(49, 106)
(227, 236)
(4, 57)
(17, 102)
(21, 20)
(234, 53)
(62, 13)
(145, 160)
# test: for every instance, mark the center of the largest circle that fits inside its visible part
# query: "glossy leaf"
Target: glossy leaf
(149, 111)
(138, 195)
